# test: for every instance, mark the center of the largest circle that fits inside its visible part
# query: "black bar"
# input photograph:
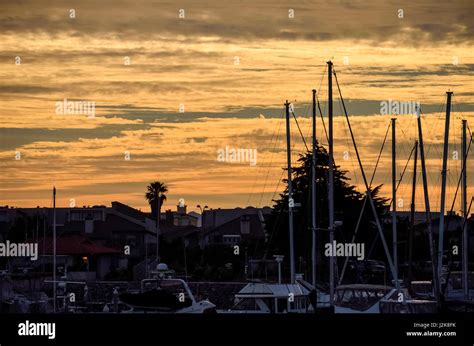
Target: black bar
(222, 329)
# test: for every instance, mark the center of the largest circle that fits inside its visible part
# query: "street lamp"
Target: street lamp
(202, 209)
(279, 260)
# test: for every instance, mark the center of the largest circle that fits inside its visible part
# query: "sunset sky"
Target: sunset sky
(231, 65)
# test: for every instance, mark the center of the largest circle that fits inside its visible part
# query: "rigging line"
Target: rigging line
(301, 133)
(362, 209)
(322, 77)
(272, 233)
(400, 129)
(350, 130)
(309, 128)
(391, 199)
(438, 118)
(456, 145)
(404, 143)
(406, 165)
(279, 182)
(296, 143)
(322, 118)
(450, 265)
(374, 209)
(436, 178)
(317, 101)
(380, 154)
(349, 149)
(459, 184)
(261, 169)
(468, 212)
(271, 158)
(310, 122)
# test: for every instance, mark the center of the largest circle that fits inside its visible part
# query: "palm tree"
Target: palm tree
(155, 189)
(156, 196)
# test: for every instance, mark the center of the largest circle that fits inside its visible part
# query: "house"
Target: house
(181, 218)
(81, 259)
(420, 216)
(232, 226)
(120, 226)
(453, 232)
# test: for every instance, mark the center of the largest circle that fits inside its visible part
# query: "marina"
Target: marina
(159, 291)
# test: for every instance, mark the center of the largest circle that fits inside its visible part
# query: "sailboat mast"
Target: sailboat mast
(291, 202)
(443, 186)
(428, 212)
(313, 195)
(54, 249)
(394, 201)
(331, 184)
(465, 238)
(412, 215)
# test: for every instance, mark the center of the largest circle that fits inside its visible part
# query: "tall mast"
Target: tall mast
(54, 250)
(291, 202)
(313, 195)
(428, 212)
(331, 185)
(465, 238)
(394, 202)
(412, 215)
(443, 186)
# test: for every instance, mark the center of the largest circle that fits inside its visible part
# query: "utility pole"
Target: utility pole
(394, 201)
(443, 187)
(465, 238)
(291, 202)
(313, 196)
(331, 184)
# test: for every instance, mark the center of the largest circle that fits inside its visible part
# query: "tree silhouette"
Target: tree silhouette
(347, 205)
(156, 190)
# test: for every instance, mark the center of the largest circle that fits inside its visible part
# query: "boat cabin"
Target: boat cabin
(272, 298)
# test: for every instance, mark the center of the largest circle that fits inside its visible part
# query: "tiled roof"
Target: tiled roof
(74, 244)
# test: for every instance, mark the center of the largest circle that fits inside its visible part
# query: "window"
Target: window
(245, 225)
(231, 239)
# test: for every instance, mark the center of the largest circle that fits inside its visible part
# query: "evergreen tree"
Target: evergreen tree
(347, 205)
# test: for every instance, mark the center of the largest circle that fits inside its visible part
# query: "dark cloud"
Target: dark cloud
(57, 55)
(423, 22)
(427, 70)
(25, 89)
(13, 138)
